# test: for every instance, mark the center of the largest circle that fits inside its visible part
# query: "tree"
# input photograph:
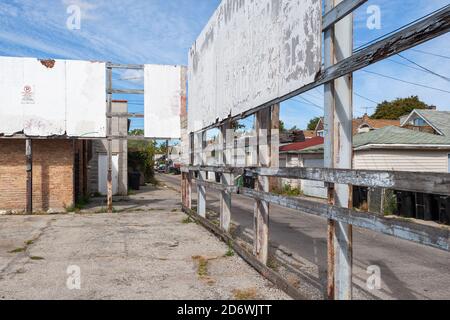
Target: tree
(393, 110)
(313, 123)
(137, 132)
(282, 126)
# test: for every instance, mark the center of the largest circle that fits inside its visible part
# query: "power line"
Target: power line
(425, 69)
(431, 54)
(406, 65)
(309, 102)
(362, 97)
(404, 81)
(401, 28)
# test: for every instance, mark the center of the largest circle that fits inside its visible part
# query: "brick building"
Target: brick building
(59, 174)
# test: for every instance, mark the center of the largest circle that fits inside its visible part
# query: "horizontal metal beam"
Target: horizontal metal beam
(422, 182)
(215, 169)
(216, 186)
(436, 183)
(125, 66)
(339, 12)
(424, 30)
(124, 115)
(143, 138)
(125, 91)
(436, 237)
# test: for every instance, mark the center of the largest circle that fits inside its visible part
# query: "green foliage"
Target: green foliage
(141, 157)
(390, 203)
(230, 251)
(290, 191)
(282, 126)
(313, 123)
(399, 107)
(136, 132)
(80, 205)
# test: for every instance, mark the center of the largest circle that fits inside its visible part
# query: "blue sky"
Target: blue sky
(161, 31)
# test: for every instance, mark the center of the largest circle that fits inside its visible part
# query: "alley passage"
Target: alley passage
(147, 249)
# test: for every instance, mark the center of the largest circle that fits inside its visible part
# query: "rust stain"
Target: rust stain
(49, 64)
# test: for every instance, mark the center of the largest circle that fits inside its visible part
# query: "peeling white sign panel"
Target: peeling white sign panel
(52, 98)
(163, 101)
(250, 53)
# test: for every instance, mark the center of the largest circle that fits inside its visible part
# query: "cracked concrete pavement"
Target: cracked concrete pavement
(145, 251)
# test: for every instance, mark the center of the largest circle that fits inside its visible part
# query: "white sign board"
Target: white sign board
(163, 101)
(52, 98)
(250, 53)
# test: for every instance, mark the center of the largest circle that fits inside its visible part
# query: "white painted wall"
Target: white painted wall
(67, 98)
(250, 53)
(163, 101)
(402, 160)
(311, 188)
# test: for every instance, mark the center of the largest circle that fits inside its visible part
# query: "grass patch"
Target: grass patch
(36, 258)
(174, 210)
(272, 263)
(105, 210)
(202, 268)
(245, 294)
(29, 242)
(80, 205)
(289, 191)
(230, 251)
(18, 250)
(187, 220)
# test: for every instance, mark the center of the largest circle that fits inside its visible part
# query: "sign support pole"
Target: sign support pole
(109, 147)
(339, 153)
(29, 168)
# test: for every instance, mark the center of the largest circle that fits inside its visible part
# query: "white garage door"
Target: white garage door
(103, 174)
(314, 188)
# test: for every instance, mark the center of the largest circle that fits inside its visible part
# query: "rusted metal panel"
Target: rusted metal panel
(429, 28)
(44, 106)
(252, 52)
(43, 98)
(163, 101)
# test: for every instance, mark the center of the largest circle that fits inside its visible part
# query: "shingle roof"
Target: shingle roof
(373, 123)
(302, 145)
(439, 119)
(391, 136)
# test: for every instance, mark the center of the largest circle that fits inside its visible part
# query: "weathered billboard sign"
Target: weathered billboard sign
(164, 99)
(43, 98)
(250, 53)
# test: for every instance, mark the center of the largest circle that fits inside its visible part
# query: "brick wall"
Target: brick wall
(53, 187)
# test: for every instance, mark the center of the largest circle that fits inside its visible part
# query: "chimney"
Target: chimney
(366, 117)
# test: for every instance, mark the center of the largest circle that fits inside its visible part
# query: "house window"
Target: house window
(419, 122)
(320, 133)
